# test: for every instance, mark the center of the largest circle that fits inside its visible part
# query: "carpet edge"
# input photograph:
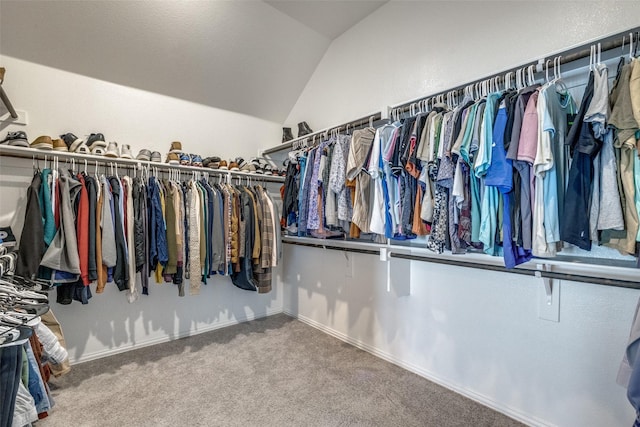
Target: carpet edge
(473, 395)
(183, 334)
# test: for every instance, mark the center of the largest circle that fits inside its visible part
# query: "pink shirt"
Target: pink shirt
(528, 143)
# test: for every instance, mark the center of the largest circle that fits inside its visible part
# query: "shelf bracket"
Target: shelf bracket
(4, 97)
(549, 295)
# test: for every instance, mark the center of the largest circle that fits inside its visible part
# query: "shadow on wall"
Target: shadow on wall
(191, 344)
(110, 323)
(334, 285)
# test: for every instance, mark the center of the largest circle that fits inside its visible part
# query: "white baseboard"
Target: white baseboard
(471, 394)
(183, 334)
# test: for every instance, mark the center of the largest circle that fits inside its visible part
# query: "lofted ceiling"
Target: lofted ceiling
(329, 18)
(253, 57)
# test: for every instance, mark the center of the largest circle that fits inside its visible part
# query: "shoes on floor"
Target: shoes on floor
(196, 160)
(95, 143)
(112, 150)
(144, 155)
(60, 145)
(173, 159)
(185, 159)
(16, 139)
(42, 143)
(176, 147)
(156, 157)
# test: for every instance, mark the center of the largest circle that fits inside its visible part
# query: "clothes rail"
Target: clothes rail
(30, 153)
(618, 283)
(367, 120)
(334, 248)
(5, 98)
(392, 252)
(566, 57)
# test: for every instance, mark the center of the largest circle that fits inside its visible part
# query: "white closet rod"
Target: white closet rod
(30, 153)
(401, 253)
(353, 124)
(571, 56)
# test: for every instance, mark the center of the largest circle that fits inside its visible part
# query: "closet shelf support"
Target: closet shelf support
(4, 97)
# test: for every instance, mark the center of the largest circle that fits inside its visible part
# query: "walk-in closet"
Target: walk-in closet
(319, 213)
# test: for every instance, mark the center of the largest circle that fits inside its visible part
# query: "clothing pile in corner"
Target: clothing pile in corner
(82, 229)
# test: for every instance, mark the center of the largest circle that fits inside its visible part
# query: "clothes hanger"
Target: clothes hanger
(546, 70)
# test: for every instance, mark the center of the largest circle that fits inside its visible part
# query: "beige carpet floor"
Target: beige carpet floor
(275, 371)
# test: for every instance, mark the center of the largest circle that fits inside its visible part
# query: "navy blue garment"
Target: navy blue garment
(574, 227)
(80, 292)
(290, 200)
(35, 385)
(580, 136)
(151, 214)
(10, 376)
(158, 251)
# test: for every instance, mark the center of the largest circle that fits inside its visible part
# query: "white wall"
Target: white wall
(109, 324)
(476, 332)
(408, 49)
(58, 101)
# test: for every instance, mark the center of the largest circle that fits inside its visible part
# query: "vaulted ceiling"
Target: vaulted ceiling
(252, 57)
